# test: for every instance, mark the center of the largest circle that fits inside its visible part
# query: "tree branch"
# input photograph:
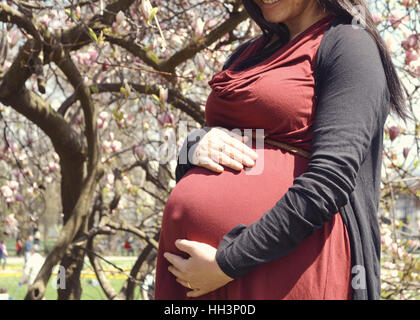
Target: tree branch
(10, 15)
(192, 48)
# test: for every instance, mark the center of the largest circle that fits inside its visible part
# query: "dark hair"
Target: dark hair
(339, 8)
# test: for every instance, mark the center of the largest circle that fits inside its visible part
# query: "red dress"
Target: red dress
(278, 96)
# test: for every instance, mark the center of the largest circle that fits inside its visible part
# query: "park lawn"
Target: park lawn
(90, 287)
(90, 292)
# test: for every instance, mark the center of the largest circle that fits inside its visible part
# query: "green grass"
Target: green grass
(90, 291)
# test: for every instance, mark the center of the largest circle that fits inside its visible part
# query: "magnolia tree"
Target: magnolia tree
(96, 98)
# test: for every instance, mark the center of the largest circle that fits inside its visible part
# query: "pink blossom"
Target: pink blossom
(14, 38)
(103, 115)
(395, 19)
(176, 40)
(45, 19)
(10, 200)
(18, 198)
(27, 172)
(11, 221)
(55, 156)
(166, 118)
(13, 185)
(394, 132)
(105, 65)
(387, 240)
(139, 151)
(52, 166)
(114, 27)
(377, 18)
(106, 145)
(110, 178)
(410, 42)
(406, 3)
(199, 27)
(102, 124)
(6, 191)
(211, 23)
(410, 56)
(120, 123)
(116, 145)
(129, 120)
(93, 55)
(6, 65)
(84, 58)
(12, 147)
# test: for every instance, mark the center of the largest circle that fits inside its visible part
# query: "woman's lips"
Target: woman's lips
(269, 3)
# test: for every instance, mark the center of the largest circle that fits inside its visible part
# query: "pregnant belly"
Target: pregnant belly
(205, 205)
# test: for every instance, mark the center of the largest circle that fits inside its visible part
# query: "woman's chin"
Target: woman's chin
(273, 19)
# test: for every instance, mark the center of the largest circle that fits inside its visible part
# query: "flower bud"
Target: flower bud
(394, 132)
(163, 95)
(120, 17)
(146, 9)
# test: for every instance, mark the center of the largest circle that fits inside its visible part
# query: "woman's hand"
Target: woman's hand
(220, 146)
(200, 272)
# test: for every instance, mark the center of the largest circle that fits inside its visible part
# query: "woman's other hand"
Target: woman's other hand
(200, 272)
(220, 146)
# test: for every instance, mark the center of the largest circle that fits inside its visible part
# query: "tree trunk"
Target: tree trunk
(72, 262)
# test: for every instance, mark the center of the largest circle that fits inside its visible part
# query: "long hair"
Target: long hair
(353, 9)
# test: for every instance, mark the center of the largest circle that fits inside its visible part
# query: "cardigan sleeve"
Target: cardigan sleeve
(352, 88)
(184, 162)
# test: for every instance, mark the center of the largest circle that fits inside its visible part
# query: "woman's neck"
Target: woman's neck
(298, 24)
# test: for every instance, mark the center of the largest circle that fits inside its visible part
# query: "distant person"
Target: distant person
(32, 266)
(19, 247)
(3, 294)
(37, 237)
(128, 246)
(3, 254)
(29, 243)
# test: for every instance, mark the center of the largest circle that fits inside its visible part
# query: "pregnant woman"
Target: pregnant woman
(319, 79)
